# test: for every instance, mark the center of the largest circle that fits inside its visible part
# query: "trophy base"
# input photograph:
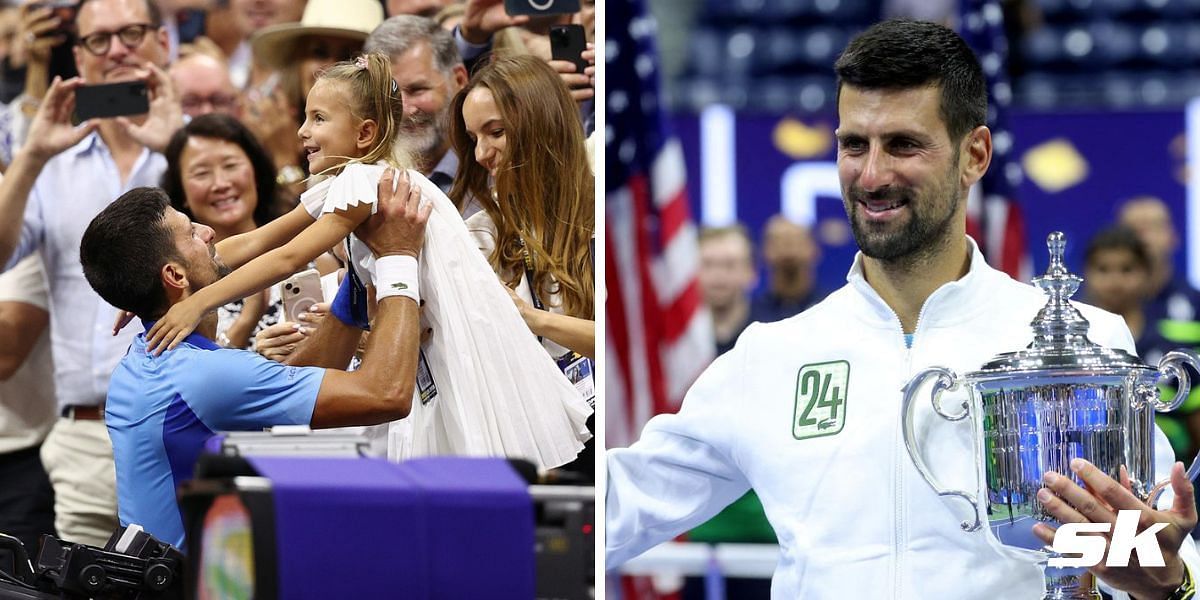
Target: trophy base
(1070, 584)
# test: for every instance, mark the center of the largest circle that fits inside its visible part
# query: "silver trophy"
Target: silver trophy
(1036, 409)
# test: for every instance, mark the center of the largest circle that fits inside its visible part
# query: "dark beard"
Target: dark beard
(918, 237)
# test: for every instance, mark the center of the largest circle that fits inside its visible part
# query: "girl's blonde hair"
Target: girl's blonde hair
(373, 95)
(545, 190)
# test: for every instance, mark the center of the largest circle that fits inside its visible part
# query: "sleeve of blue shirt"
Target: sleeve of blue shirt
(240, 390)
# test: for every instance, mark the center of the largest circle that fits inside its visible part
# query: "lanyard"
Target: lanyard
(537, 302)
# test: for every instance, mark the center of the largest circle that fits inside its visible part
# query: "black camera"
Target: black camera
(133, 565)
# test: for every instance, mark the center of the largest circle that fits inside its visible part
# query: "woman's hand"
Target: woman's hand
(528, 312)
(39, 31)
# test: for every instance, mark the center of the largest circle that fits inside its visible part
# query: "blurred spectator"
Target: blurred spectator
(1169, 297)
(27, 409)
(11, 78)
(218, 175)
(420, 8)
(791, 255)
(330, 31)
(486, 26)
(587, 17)
(40, 48)
(204, 85)
(727, 276)
(231, 26)
(429, 72)
(449, 17)
(1117, 273)
(72, 173)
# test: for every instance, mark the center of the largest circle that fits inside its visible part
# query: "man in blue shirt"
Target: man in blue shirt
(143, 256)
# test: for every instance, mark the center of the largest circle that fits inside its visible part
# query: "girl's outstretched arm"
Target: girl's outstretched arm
(256, 275)
(240, 249)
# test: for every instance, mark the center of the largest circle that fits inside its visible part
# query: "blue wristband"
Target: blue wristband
(350, 304)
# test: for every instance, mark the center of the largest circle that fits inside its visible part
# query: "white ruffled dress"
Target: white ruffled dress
(498, 393)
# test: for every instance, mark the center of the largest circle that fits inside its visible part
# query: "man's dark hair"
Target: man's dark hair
(153, 13)
(125, 248)
(1118, 238)
(219, 126)
(901, 54)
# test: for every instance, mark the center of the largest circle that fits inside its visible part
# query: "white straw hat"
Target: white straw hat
(351, 19)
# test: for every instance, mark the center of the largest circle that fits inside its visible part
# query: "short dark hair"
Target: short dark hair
(1118, 238)
(222, 127)
(125, 248)
(904, 54)
(153, 14)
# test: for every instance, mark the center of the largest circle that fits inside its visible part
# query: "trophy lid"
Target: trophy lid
(1060, 331)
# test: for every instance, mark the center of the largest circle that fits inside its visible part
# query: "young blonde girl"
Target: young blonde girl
(351, 120)
(488, 388)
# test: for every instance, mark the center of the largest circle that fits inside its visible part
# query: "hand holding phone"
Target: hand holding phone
(300, 292)
(567, 42)
(43, 26)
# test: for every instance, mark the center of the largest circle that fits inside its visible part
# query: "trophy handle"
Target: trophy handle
(946, 380)
(1172, 366)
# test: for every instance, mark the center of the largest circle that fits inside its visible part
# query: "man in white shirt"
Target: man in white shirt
(853, 517)
(60, 179)
(27, 409)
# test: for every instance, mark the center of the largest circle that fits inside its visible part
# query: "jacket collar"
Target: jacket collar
(953, 302)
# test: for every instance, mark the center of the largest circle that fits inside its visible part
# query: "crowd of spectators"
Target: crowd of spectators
(227, 87)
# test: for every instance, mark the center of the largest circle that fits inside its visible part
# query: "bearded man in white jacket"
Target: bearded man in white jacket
(853, 517)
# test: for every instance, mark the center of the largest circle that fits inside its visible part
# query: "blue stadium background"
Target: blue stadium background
(1101, 90)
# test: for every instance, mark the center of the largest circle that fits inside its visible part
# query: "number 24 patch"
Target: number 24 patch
(821, 390)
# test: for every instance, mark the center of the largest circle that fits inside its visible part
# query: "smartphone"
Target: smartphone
(540, 7)
(111, 100)
(300, 292)
(567, 42)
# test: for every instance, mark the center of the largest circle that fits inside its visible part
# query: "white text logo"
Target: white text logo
(1125, 541)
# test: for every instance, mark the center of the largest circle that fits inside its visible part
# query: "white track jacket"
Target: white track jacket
(806, 412)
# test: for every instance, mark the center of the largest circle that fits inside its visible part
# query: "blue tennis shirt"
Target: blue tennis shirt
(161, 410)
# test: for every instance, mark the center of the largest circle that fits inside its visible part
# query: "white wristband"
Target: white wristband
(396, 276)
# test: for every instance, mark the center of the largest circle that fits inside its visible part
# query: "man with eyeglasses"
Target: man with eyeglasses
(204, 85)
(60, 179)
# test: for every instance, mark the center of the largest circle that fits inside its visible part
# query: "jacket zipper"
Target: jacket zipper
(897, 582)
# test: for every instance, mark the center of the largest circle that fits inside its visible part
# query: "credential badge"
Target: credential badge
(821, 391)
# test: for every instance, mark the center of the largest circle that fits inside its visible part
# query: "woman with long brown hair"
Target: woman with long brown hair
(532, 177)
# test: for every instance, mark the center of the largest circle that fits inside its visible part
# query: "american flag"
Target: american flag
(658, 333)
(993, 214)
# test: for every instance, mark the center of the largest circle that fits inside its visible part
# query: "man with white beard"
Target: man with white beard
(429, 71)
